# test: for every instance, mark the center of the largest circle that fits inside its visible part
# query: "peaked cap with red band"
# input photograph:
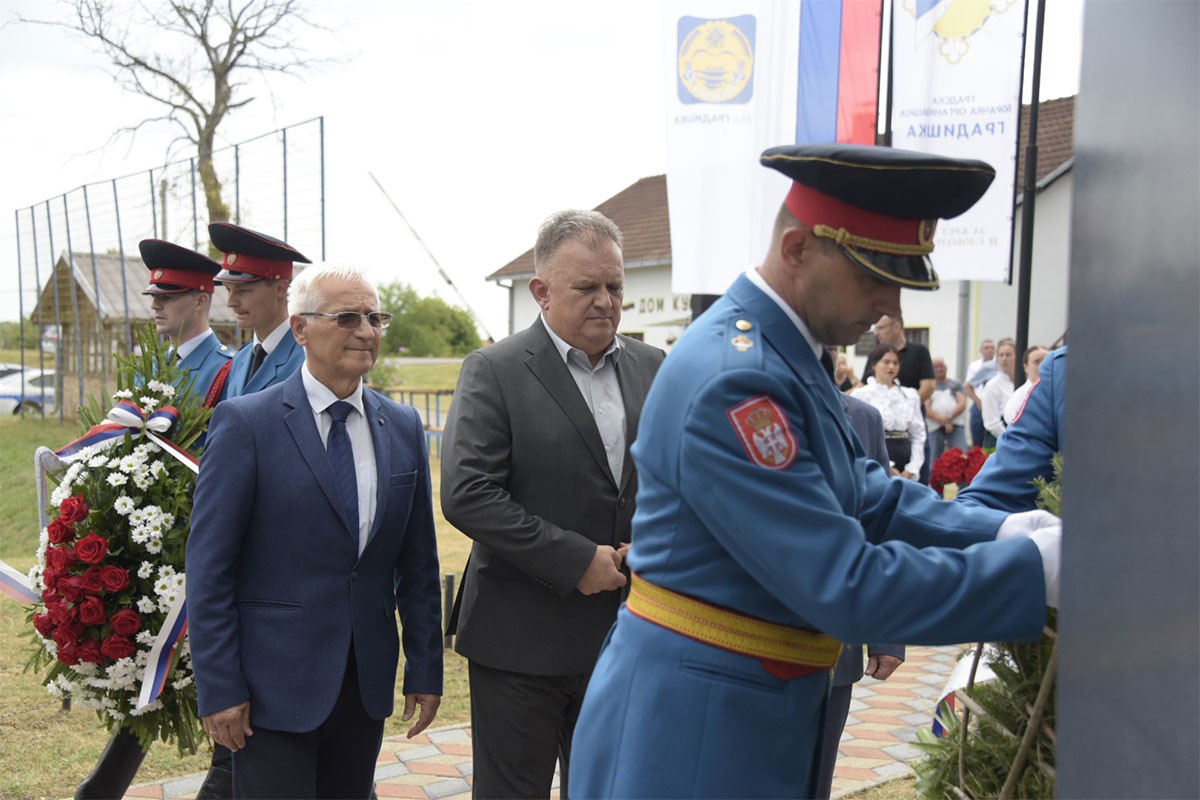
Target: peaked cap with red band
(252, 256)
(175, 269)
(880, 205)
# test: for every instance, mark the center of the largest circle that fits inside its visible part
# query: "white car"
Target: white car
(31, 391)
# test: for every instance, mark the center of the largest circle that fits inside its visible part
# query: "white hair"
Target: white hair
(305, 293)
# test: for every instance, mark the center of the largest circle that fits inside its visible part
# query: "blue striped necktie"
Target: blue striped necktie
(341, 458)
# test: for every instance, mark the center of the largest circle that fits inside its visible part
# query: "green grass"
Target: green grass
(46, 751)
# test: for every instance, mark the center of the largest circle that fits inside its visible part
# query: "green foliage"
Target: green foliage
(136, 504)
(979, 763)
(10, 335)
(425, 326)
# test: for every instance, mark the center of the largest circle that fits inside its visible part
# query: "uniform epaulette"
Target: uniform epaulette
(742, 344)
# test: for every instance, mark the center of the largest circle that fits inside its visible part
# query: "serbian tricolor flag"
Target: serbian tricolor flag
(742, 76)
(837, 97)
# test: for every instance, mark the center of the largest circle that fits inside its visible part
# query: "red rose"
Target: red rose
(43, 623)
(60, 559)
(91, 611)
(50, 597)
(91, 580)
(90, 651)
(71, 587)
(114, 578)
(92, 548)
(125, 622)
(118, 647)
(67, 647)
(61, 531)
(59, 611)
(73, 509)
(50, 579)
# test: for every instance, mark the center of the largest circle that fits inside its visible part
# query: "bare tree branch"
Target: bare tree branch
(192, 57)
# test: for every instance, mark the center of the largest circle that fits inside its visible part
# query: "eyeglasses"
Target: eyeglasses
(350, 320)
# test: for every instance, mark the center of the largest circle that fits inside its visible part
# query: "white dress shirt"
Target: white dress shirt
(359, 430)
(274, 337)
(185, 349)
(992, 399)
(602, 392)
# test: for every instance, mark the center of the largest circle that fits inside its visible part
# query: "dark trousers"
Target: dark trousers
(520, 725)
(218, 783)
(337, 760)
(116, 769)
(836, 711)
(977, 429)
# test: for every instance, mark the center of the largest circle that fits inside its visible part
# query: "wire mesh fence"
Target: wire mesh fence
(79, 277)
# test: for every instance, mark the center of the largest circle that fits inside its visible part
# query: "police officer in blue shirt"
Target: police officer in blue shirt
(1026, 449)
(257, 271)
(181, 291)
(763, 536)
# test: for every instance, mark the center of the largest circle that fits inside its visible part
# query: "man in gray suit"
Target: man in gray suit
(536, 469)
(882, 659)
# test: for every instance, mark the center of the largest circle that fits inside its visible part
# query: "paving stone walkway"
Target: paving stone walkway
(876, 746)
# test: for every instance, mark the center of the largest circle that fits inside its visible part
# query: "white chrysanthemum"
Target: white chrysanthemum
(148, 403)
(139, 534)
(158, 469)
(154, 546)
(146, 605)
(123, 394)
(122, 669)
(97, 461)
(166, 572)
(129, 463)
(166, 521)
(37, 570)
(73, 471)
(116, 479)
(149, 448)
(162, 586)
(117, 715)
(182, 682)
(124, 506)
(145, 570)
(86, 668)
(59, 494)
(142, 479)
(145, 638)
(155, 385)
(137, 712)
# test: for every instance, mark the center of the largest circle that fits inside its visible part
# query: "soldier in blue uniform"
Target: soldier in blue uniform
(257, 272)
(763, 536)
(181, 285)
(1026, 448)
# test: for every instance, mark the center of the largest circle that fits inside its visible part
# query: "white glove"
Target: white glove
(1044, 530)
(1025, 524)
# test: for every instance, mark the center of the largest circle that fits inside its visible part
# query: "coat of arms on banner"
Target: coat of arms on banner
(953, 22)
(765, 432)
(716, 59)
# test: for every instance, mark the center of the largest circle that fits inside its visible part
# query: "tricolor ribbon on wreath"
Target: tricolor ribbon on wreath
(124, 418)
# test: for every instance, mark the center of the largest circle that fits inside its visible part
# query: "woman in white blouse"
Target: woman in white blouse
(900, 408)
(995, 393)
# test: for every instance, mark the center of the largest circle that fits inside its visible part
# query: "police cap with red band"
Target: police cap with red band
(879, 204)
(252, 256)
(175, 269)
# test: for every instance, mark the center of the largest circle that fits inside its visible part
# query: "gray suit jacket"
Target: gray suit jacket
(868, 426)
(524, 475)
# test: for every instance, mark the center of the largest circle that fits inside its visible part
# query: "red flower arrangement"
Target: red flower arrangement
(955, 466)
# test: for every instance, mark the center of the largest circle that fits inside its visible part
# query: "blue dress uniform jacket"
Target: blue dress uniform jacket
(824, 540)
(278, 366)
(1026, 448)
(203, 364)
(277, 590)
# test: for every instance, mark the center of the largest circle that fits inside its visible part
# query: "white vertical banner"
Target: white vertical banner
(731, 93)
(956, 68)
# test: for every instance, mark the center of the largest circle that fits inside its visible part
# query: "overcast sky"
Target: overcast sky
(479, 118)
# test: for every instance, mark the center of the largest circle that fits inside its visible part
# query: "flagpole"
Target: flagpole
(1025, 269)
(886, 138)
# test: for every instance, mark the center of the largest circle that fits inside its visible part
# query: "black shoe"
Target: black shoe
(116, 769)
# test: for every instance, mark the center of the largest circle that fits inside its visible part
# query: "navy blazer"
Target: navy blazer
(277, 592)
(867, 423)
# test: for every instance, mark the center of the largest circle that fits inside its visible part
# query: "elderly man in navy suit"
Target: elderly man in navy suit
(313, 526)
